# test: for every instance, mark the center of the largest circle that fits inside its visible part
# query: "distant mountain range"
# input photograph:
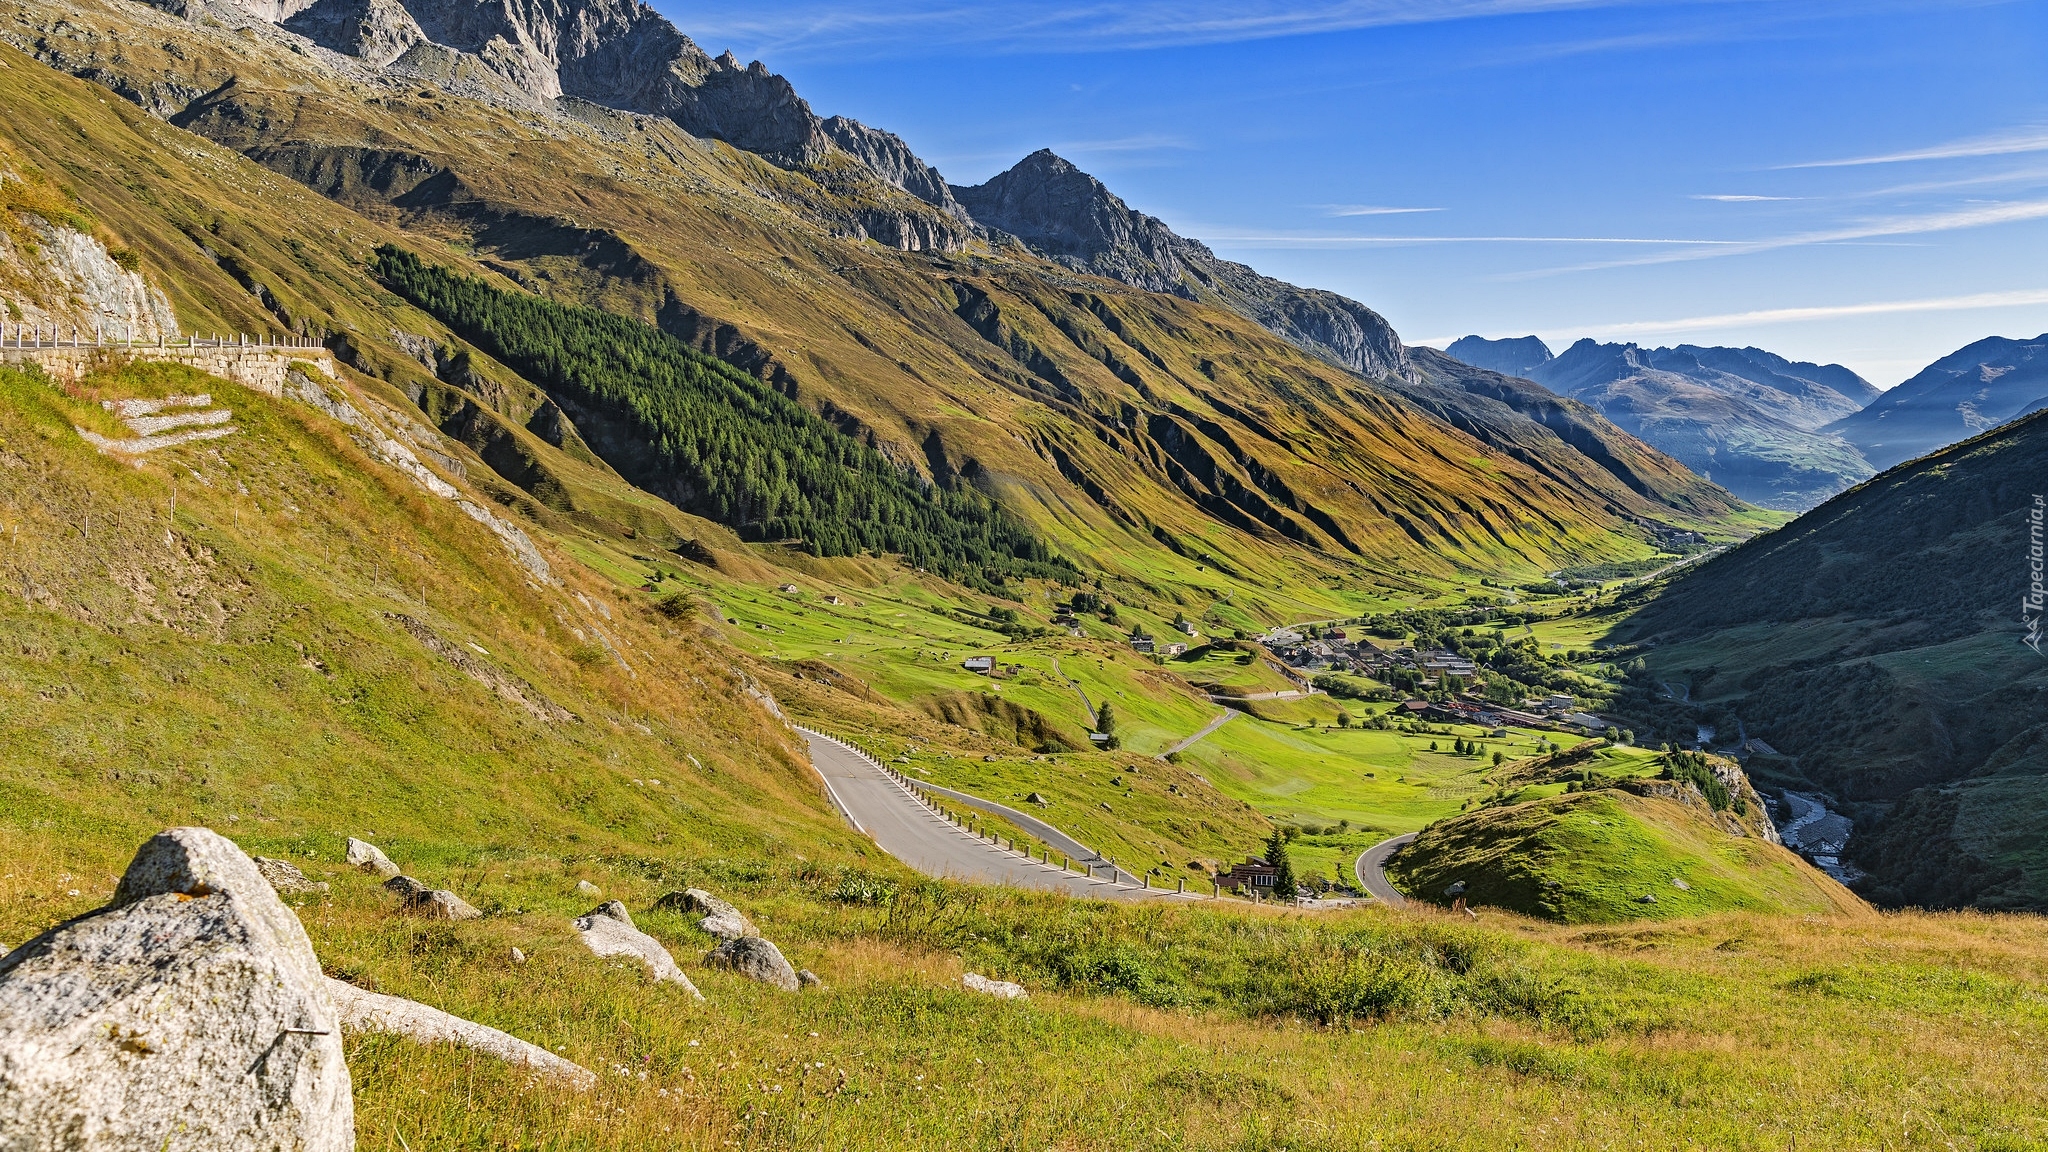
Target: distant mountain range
(1964, 393)
(1747, 419)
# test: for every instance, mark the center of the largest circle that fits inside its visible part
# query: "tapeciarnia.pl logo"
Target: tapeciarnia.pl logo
(2032, 604)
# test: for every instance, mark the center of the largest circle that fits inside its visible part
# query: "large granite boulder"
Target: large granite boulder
(609, 931)
(190, 1012)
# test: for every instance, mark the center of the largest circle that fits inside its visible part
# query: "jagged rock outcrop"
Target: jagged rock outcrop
(190, 1012)
(1070, 217)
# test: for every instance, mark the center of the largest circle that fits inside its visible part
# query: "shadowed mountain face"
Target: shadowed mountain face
(1874, 641)
(1959, 395)
(1745, 418)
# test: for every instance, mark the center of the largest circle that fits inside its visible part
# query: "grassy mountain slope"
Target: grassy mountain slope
(1874, 641)
(1100, 414)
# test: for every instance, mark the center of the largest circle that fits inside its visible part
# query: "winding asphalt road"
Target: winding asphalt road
(1372, 870)
(890, 814)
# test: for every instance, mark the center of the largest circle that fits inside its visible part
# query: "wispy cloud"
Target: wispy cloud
(1277, 241)
(1981, 301)
(1009, 25)
(1971, 303)
(2006, 144)
(1370, 210)
(1746, 199)
(1978, 216)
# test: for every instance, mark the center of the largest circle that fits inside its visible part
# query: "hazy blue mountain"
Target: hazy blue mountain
(1961, 394)
(1517, 356)
(1749, 420)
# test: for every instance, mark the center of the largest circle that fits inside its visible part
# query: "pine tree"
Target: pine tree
(1284, 885)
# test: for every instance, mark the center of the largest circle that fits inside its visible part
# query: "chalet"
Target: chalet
(1187, 627)
(1585, 720)
(981, 664)
(1253, 877)
(834, 600)
(1144, 644)
(1175, 649)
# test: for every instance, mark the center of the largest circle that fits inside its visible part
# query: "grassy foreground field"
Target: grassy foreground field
(235, 664)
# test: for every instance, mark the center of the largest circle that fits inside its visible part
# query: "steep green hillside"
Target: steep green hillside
(1875, 642)
(1168, 442)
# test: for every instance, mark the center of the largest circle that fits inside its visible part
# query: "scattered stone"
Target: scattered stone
(756, 959)
(721, 919)
(433, 903)
(1035, 798)
(586, 888)
(367, 856)
(518, 957)
(1457, 889)
(808, 978)
(989, 759)
(608, 931)
(285, 877)
(362, 1011)
(1646, 898)
(1000, 989)
(1679, 883)
(190, 1012)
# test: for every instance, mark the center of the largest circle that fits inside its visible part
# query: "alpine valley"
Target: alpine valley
(653, 619)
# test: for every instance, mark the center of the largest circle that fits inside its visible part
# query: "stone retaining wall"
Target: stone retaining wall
(259, 366)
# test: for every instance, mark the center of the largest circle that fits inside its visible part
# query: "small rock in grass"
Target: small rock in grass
(286, 877)
(608, 931)
(518, 957)
(1035, 798)
(1680, 884)
(756, 959)
(808, 978)
(1646, 898)
(433, 903)
(721, 919)
(586, 888)
(1000, 989)
(367, 856)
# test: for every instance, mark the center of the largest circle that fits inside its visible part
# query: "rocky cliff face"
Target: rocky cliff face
(1068, 216)
(63, 281)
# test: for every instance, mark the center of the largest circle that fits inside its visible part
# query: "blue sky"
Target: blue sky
(1860, 182)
